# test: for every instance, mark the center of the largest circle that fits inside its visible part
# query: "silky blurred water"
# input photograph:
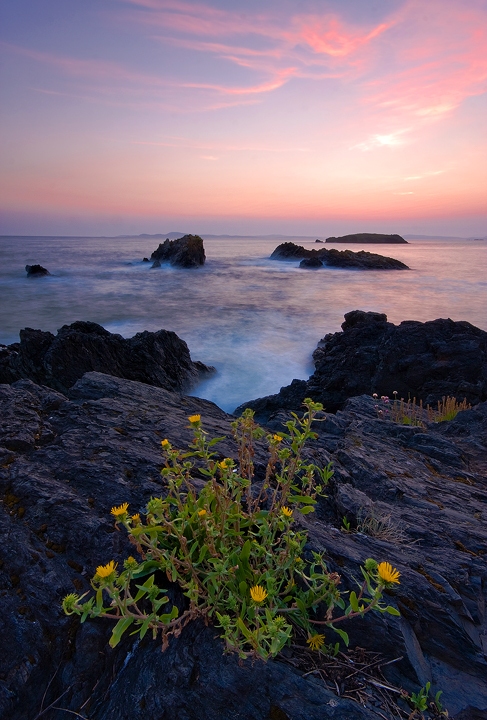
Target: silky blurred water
(256, 320)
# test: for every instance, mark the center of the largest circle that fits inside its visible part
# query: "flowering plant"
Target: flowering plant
(232, 549)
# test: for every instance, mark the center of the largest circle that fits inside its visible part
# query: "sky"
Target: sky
(243, 117)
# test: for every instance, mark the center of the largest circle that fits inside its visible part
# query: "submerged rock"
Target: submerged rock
(367, 238)
(426, 361)
(186, 252)
(157, 358)
(36, 271)
(65, 460)
(336, 258)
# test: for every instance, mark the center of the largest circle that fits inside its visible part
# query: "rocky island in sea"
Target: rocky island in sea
(185, 252)
(324, 257)
(372, 238)
(81, 434)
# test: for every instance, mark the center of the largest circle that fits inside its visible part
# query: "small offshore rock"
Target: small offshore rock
(36, 271)
(185, 252)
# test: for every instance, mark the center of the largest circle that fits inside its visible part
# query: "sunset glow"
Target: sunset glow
(124, 116)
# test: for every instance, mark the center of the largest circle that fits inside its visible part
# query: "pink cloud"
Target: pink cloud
(438, 58)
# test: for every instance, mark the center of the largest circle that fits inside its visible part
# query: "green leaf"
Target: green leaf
(143, 629)
(392, 611)
(144, 589)
(305, 499)
(343, 634)
(119, 630)
(354, 601)
(146, 568)
(243, 628)
(243, 587)
(203, 553)
(216, 440)
(167, 617)
(306, 510)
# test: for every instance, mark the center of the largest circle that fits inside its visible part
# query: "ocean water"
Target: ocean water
(256, 320)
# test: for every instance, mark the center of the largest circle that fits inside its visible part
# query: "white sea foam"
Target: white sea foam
(257, 320)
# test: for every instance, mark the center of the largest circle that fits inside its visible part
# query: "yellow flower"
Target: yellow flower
(130, 563)
(165, 443)
(104, 571)
(387, 573)
(136, 518)
(287, 511)
(316, 641)
(224, 464)
(258, 594)
(194, 418)
(201, 513)
(120, 510)
(277, 438)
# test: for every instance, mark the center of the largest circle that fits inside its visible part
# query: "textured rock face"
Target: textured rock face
(65, 461)
(186, 252)
(312, 262)
(367, 238)
(36, 271)
(160, 358)
(427, 361)
(336, 258)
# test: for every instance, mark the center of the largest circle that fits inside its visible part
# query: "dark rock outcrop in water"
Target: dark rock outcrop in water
(367, 238)
(337, 258)
(312, 262)
(424, 360)
(157, 358)
(36, 271)
(417, 497)
(186, 252)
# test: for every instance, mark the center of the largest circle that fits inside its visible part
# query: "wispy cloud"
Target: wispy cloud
(182, 142)
(412, 68)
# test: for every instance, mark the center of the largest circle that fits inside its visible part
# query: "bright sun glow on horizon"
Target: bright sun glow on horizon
(309, 117)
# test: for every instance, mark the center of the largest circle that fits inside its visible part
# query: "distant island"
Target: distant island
(367, 238)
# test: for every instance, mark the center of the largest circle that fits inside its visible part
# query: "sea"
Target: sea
(256, 320)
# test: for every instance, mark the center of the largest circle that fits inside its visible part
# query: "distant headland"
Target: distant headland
(367, 238)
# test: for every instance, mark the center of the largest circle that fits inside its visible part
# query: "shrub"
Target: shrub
(233, 549)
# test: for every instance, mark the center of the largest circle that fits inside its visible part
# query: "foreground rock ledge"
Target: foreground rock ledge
(66, 460)
(157, 358)
(426, 361)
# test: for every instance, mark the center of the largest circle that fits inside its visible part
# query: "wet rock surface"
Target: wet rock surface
(426, 361)
(157, 358)
(185, 252)
(336, 258)
(368, 238)
(415, 497)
